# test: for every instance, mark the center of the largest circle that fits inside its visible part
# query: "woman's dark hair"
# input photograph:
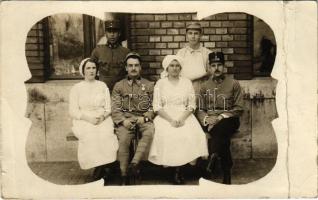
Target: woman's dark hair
(91, 61)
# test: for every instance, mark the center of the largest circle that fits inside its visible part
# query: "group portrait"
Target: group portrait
(151, 99)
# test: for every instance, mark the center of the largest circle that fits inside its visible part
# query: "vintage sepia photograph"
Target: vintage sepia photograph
(158, 99)
(224, 60)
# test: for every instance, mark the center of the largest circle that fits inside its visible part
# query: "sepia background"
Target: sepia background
(295, 171)
(56, 45)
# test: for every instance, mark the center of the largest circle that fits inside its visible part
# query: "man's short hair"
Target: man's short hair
(194, 26)
(132, 55)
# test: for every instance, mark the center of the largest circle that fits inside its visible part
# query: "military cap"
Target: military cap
(112, 24)
(194, 26)
(132, 55)
(216, 57)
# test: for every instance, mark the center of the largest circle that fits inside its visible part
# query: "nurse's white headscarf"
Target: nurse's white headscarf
(166, 62)
(83, 62)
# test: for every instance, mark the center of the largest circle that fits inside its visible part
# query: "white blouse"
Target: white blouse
(194, 62)
(169, 96)
(90, 98)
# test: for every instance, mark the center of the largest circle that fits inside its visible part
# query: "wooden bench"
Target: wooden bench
(71, 137)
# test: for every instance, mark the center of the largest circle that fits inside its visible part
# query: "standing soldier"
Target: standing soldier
(222, 105)
(131, 110)
(110, 57)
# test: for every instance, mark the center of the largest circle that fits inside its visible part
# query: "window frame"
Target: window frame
(89, 45)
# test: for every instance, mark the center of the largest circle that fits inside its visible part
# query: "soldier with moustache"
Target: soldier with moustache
(221, 105)
(131, 110)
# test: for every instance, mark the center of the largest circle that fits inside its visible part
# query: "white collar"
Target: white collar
(193, 50)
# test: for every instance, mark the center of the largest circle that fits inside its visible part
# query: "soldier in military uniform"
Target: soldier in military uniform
(219, 110)
(131, 109)
(110, 56)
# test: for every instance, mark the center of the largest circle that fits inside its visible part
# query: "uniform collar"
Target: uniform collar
(219, 79)
(112, 46)
(194, 50)
(136, 80)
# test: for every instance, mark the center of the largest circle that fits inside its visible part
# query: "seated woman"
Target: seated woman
(179, 138)
(89, 106)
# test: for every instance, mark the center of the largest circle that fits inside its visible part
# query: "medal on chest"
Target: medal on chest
(143, 87)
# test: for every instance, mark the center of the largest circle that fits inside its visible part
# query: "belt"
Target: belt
(138, 113)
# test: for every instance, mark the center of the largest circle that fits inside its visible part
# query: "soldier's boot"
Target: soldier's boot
(178, 178)
(212, 162)
(134, 172)
(227, 176)
(124, 180)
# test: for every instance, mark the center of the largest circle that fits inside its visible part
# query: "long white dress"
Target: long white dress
(97, 144)
(176, 146)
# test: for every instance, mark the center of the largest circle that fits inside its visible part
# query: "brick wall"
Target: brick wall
(35, 52)
(157, 35)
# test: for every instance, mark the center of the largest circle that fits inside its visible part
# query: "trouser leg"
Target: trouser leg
(226, 163)
(98, 173)
(147, 131)
(124, 138)
(220, 141)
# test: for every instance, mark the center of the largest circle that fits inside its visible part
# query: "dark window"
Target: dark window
(264, 47)
(72, 38)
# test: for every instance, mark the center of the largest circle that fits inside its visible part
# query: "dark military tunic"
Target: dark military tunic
(110, 59)
(131, 99)
(222, 97)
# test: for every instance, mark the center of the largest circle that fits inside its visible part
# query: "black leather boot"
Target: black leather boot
(134, 173)
(211, 162)
(98, 173)
(178, 178)
(201, 168)
(124, 180)
(107, 176)
(227, 177)
(108, 173)
(133, 169)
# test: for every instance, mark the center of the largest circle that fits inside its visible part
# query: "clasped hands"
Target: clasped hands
(132, 122)
(177, 123)
(95, 120)
(211, 121)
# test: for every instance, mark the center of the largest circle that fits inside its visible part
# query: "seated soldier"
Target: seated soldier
(221, 106)
(132, 108)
